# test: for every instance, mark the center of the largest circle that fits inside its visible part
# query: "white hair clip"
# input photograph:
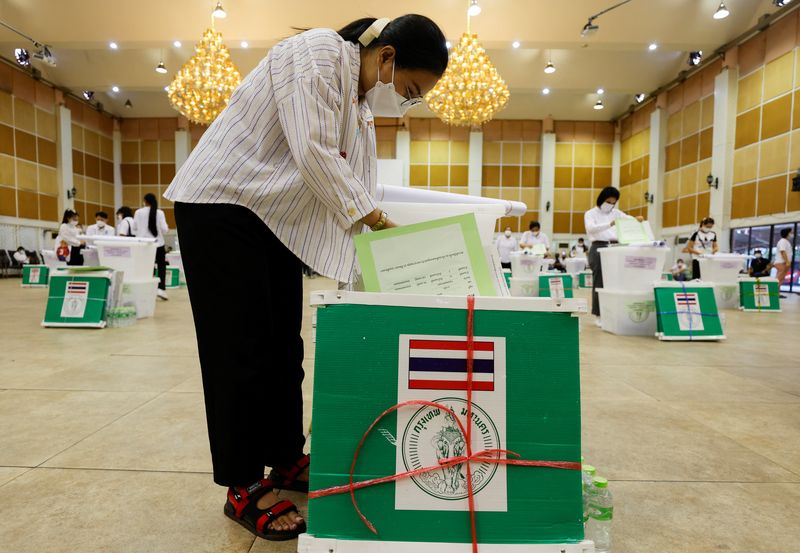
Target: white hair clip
(373, 31)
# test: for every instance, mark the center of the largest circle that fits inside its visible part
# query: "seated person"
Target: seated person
(679, 271)
(21, 256)
(760, 266)
(560, 263)
(100, 226)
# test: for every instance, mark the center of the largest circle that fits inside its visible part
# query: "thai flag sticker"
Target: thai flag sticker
(438, 364)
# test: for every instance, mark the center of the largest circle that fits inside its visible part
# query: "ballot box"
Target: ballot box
(524, 288)
(727, 295)
(575, 264)
(585, 279)
(77, 299)
(628, 313)
(555, 285)
(526, 265)
(35, 276)
(687, 312)
(759, 294)
(375, 352)
(667, 276)
(133, 256)
(722, 267)
(172, 279)
(632, 267)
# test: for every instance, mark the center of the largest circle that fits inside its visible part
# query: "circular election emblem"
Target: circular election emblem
(638, 312)
(728, 293)
(432, 434)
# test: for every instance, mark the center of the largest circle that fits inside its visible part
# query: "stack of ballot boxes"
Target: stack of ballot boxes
(134, 257)
(525, 270)
(723, 270)
(627, 303)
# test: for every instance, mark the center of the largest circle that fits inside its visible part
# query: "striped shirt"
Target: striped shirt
(296, 147)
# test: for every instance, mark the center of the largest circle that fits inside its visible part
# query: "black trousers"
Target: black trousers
(695, 268)
(75, 255)
(248, 321)
(161, 264)
(597, 274)
(505, 265)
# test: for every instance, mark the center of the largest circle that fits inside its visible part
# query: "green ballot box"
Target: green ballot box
(77, 299)
(667, 276)
(507, 275)
(687, 312)
(554, 285)
(585, 279)
(35, 276)
(173, 277)
(759, 294)
(526, 399)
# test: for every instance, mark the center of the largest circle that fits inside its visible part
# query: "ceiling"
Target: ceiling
(616, 58)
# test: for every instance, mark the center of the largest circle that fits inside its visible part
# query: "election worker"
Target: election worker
(286, 175)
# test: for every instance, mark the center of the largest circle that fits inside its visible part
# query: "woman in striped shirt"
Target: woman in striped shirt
(286, 172)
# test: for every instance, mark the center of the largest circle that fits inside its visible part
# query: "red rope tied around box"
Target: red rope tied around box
(483, 456)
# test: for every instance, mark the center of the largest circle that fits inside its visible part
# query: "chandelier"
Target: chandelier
(471, 91)
(203, 86)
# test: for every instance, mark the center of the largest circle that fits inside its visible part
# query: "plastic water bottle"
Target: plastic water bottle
(601, 513)
(587, 473)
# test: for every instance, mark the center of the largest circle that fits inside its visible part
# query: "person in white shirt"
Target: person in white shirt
(68, 234)
(702, 242)
(533, 236)
(506, 244)
(150, 222)
(100, 226)
(21, 256)
(286, 175)
(579, 249)
(125, 224)
(783, 255)
(679, 271)
(599, 222)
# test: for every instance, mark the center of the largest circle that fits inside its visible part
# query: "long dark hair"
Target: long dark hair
(418, 41)
(68, 214)
(606, 193)
(150, 200)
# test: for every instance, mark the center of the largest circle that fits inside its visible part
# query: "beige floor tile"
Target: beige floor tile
(647, 440)
(91, 511)
(7, 474)
(651, 517)
(40, 424)
(167, 434)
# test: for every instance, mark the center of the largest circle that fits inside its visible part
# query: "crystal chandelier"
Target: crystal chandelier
(203, 86)
(471, 91)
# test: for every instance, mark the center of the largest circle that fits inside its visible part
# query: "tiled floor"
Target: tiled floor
(103, 445)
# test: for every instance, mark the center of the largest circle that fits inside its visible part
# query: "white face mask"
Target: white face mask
(101, 224)
(536, 233)
(385, 101)
(73, 223)
(607, 207)
(119, 217)
(508, 234)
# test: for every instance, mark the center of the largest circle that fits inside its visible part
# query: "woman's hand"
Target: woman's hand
(389, 224)
(613, 222)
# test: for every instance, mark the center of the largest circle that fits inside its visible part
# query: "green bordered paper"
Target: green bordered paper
(441, 257)
(631, 231)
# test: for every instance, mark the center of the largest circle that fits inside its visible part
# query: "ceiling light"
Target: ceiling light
(161, 68)
(589, 29)
(722, 12)
(45, 55)
(219, 11)
(695, 58)
(88, 95)
(601, 91)
(244, 44)
(474, 8)
(652, 46)
(22, 56)
(549, 68)
(177, 44)
(128, 104)
(599, 104)
(115, 88)
(545, 91)
(515, 44)
(166, 89)
(639, 98)
(113, 45)
(448, 44)
(780, 3)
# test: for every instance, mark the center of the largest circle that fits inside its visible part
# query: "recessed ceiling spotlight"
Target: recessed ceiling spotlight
(161, 68)
(166, 89)
(22, 56)
(639, 98)
(695, 58)
(128, 104)
(545, 91)
(474, 9)
(652, 46)
(115, 88)
(601, 91)
(448, 44)
(599, 104)
(549, 68)
(177, 44)
(244, 44)
(515, 44)
(88, 95)
(219, 11)
(722, 12)
(113, 45)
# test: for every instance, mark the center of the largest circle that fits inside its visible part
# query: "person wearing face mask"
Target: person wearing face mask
(702, 242)
(600, 224)
(68, 235)
(21, 256)
(150, 222)
(760, 266)
(579, 249)
(561, 262)
(286, 175)
(679, 270)
(100, 226)
(533, 236)
(783, 255)
(125, 223)
(506, 244)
